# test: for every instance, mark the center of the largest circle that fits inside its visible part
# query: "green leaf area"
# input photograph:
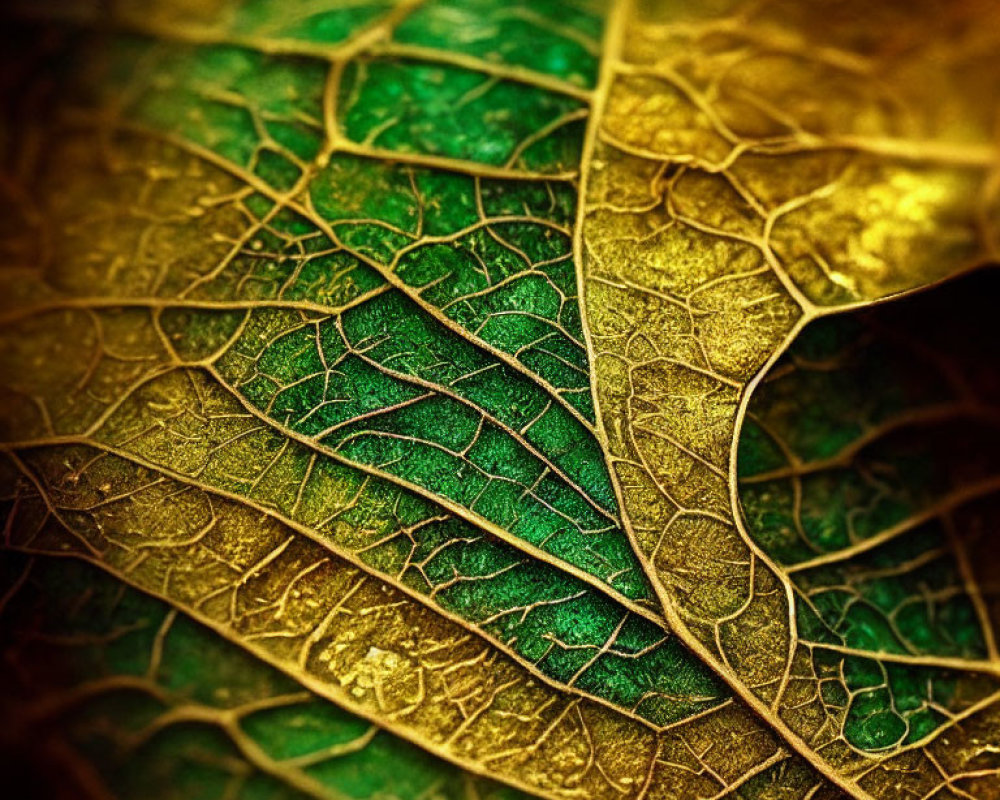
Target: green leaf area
(869, 473)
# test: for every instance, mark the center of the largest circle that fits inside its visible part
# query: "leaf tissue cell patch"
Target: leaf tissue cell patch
(480, 400)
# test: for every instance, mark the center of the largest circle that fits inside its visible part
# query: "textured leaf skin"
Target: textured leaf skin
(882, 431)
(129, 698)
(755, 176)
(293, 354)
(337, 405)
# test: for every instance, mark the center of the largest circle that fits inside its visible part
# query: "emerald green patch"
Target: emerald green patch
(441, 110)
(553, 37)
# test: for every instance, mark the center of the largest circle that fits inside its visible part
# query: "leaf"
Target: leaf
(417, 526)
(866, 476)
(127, 696)
(293, 346)
(756, 168)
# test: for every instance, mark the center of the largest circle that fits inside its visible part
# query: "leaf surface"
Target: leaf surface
(756, 168)
(401, 352)
(131, 698)
(867, 474)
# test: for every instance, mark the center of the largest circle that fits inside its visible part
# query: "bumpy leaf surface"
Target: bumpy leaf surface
(124, 695)
(877, 499)
(388, 363)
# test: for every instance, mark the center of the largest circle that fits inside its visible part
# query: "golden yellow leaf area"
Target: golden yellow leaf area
(398, 353)
(756, 167)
